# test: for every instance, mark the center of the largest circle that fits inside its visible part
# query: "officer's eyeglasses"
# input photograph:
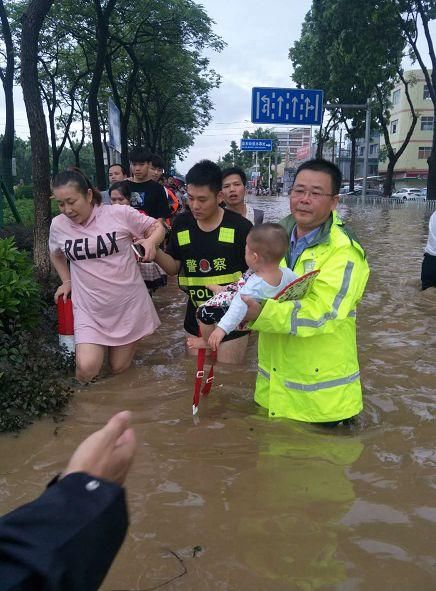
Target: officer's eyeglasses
(299, 193)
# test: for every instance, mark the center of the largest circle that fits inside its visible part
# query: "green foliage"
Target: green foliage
(23, 192)
(361, 48)
(22, 234)
(26, 209)
(19, 291)
(32, 370)
(32, 378)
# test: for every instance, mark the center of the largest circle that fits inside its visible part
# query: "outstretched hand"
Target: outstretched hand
(107, 453)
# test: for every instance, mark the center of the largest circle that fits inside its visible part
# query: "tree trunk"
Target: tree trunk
(352, 159)
(319, 147)
(32, 21)
(388, 182)
(102, 32)
(7, 147)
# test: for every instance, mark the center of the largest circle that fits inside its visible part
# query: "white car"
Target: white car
(407, 193)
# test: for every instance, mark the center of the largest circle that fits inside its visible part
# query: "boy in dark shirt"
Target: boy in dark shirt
(147, 195)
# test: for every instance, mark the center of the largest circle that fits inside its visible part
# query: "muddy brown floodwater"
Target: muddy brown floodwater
(236, 501)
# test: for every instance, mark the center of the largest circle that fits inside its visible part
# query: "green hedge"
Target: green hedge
(34, 374)
(23, 192)
(19, 291)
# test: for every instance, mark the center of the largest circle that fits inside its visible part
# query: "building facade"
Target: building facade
(412, 165)
(289, 142)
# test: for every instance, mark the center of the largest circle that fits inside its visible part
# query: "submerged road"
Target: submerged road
(236, 501)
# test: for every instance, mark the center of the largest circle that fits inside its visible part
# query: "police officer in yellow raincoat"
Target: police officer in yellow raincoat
(308, 367)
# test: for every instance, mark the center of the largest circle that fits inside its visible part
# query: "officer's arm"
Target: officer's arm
(334, 296)
(170, 265)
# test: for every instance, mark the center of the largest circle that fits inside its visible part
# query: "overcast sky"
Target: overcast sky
(258, 36)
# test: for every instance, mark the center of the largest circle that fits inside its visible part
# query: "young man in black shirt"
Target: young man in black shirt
(206, 247)
(147, 195)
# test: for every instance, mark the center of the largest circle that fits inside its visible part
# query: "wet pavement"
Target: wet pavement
(236, 501)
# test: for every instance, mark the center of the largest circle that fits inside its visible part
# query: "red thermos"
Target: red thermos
(66, 324)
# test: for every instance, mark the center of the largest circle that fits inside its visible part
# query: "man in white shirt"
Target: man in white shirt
(428, 271)
(234, 183)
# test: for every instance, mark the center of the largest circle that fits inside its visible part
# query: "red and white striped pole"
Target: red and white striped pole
(66, 324)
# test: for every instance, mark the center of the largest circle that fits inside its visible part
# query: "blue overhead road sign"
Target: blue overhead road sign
(256, 145)
(290, 106)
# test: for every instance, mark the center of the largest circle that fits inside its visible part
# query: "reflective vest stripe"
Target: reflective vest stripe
(322, 385)
(183, 238)
(340, 296)
(319, 385)
(196, 281)
(227, 235)
(263, 373)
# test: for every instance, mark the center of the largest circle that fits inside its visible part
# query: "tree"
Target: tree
(7, 78)
(383, 115)
(102, 34)
(158, 78)
(361, 49)
(32, 22)
(409, 13)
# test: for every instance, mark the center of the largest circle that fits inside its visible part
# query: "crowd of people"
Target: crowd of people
(216, 239)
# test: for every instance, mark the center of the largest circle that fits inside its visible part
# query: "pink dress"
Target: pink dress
(111, 304)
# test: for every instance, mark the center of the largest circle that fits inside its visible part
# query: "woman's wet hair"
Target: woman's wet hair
(270, 241)
(122, 187)
(76, 177)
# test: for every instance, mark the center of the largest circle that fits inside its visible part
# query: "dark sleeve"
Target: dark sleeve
(172, 247)
(64, 540)
(161, 208)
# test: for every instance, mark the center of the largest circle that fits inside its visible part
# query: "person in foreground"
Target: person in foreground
(428, 269)
(266, 246)
(90, 248)
(68, 537)
(207, 247)
(308, 368)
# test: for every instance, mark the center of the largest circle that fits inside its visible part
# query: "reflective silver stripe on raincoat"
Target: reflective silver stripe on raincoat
(300, 322)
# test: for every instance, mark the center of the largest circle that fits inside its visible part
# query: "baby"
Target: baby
(266, 246)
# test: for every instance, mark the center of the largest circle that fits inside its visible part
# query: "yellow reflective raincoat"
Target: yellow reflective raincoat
(308, 368)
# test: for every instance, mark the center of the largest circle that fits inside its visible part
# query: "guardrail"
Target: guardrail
(427, 204)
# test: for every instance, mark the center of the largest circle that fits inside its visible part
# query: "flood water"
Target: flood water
(236, 501)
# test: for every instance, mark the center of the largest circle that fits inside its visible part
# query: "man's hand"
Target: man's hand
(107, 453)
(149, 248)
(254, 309)
(215, 338)
(216, 288)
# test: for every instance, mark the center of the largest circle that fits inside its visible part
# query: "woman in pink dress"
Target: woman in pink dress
(90, 248)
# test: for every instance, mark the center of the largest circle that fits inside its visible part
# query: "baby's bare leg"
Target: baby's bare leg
(201, 342)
